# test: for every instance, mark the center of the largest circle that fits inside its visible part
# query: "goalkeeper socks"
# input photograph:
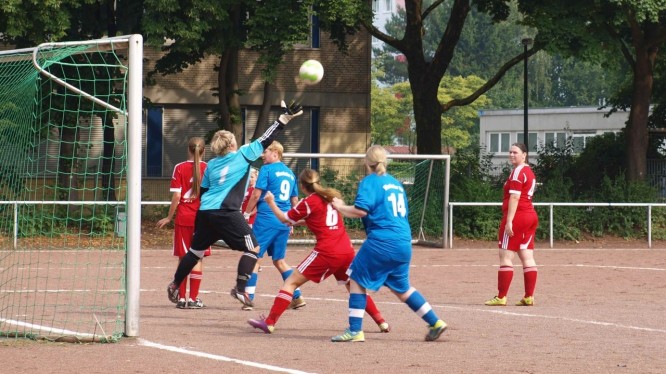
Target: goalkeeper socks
(245, 268)
(357, 302)
(185, 266)
(504, 277)
(420, 306)
(182, 290)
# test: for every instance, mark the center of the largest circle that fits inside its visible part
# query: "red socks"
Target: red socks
(372, 310)
(530, 276)
(504, 277)
(280, 304)
(195, 283)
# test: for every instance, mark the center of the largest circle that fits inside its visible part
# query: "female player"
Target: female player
(250, 216)
(384, 257)
(219, 216)
(186, 189)
(517, 229)
(331, 255)
(272, 235)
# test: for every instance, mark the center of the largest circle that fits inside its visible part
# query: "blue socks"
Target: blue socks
(357, 302)
(420, 306)
(252, 285)
(285, 275)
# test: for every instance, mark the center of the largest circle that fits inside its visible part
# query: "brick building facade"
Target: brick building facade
(337, 110)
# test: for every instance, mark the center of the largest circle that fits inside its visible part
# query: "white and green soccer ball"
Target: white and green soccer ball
(311, 72)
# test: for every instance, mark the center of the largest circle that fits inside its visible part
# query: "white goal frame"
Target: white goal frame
(134, 46)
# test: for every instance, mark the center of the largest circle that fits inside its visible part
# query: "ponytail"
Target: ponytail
(196, 147)
(309, 179)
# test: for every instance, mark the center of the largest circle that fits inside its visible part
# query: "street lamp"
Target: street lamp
(526, 43)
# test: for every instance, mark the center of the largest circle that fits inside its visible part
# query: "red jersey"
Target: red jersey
(325, 223)
(521, 181)
(181, 181)
(246, 200)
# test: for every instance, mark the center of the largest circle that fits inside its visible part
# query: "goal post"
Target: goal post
(425, 178)
(70, 172)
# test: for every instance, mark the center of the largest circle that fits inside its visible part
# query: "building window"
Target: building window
(313, 40)
(499, 142)
(154, 140)
(556, 139)
(580, 141)
(389, 5)
(532, 137)
(375, 6)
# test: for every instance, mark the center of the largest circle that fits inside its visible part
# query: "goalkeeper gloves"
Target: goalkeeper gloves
(294, 109)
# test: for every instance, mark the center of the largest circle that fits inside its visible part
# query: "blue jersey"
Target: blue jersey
(385, 201)
(226, 178)
(281, 181)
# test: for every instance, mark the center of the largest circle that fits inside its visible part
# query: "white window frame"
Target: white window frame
(533, 137)
(503, 140)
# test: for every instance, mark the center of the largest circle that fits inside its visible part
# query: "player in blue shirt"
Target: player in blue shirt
(219, 216)
(274, 176)
(384, 257)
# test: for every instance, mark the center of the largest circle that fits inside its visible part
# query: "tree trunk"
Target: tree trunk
(222, 105)
(427, 113)
(637, 131)
(233, 98)
(263, 120)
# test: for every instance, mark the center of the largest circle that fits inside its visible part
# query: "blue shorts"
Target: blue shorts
(374, 266)
(272, 241)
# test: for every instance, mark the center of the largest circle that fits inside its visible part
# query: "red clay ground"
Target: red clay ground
(600, 309)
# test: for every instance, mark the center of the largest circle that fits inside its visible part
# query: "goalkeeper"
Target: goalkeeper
(219, 216)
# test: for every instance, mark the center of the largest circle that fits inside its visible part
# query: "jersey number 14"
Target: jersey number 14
(398, 203)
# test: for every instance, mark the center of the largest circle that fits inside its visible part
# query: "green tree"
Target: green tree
(197, 29)
(553, 79)
(425, 70)
(633, 29)
(29, 23)
(388, 114)
(392, 113)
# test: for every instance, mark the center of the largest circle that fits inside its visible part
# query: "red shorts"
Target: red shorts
(182, 240)
(317, 267)
(524, 229)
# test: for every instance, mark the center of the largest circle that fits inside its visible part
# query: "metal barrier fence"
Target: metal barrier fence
(550, 214)
(451, 205)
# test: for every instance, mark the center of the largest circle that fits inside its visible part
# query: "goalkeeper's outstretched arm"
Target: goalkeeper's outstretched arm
(294, 109)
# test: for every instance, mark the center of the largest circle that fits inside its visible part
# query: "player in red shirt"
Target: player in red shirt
(185, 186)
(331, 255)
(517, 230)
(249, 217)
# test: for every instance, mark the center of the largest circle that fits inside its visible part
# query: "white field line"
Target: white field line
(48, 329)
(544, 266)
(495, 311)
(147, 343)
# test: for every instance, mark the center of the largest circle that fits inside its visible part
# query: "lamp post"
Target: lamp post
(526, 43)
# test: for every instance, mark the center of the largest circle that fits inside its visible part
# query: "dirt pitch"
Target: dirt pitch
(600, 308)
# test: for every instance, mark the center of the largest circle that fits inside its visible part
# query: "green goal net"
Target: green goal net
(63, 190)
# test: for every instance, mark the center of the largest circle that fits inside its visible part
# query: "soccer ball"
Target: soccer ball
(311, 72)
